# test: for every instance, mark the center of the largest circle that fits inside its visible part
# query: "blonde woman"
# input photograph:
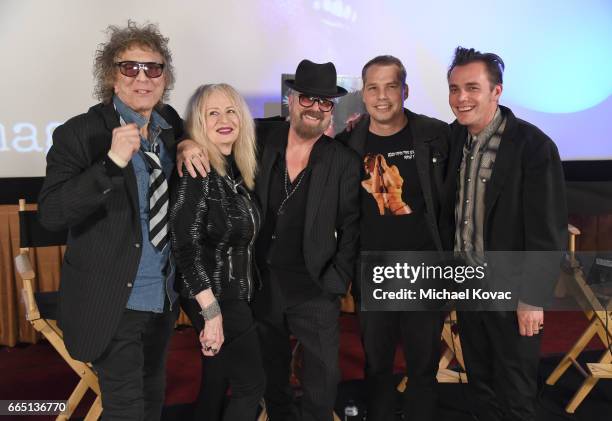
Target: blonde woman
(214, 223)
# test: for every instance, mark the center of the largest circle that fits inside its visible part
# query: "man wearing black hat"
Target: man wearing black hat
(308, 188)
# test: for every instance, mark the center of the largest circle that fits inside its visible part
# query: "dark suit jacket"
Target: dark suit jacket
(525, 203)
(431, 144)
(331, 231)
(97, 202)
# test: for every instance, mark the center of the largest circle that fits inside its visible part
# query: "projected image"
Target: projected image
(558, 57)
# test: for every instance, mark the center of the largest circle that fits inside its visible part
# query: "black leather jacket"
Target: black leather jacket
(214, 223)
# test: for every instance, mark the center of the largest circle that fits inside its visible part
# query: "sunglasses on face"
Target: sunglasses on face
(132, 68)
(308, 101)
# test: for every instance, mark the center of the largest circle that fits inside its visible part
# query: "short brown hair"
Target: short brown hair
(124, 38)
(493, 63)
(385, 60)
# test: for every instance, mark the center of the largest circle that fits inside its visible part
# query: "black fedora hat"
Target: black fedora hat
(316, 79)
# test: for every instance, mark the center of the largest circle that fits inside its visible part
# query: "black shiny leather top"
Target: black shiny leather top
(214, 223)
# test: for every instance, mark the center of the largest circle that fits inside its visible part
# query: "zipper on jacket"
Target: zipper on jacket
(231, 265)
(249, 250)
(246, 199)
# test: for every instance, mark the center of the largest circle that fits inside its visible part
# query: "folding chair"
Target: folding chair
(452, 350)
(600, 318)
(40, 309)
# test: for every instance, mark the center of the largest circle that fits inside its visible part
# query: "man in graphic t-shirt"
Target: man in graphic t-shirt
(404, 159)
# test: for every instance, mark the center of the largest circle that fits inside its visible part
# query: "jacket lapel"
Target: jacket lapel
(271, 146)
(111, 119)
(504, 160)
(358, 139)
(318, 178)
(422, 152)
(168, 135)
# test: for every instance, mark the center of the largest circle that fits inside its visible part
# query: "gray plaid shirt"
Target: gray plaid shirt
(479, 155)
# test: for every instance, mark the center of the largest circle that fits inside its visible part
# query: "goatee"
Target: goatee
(307, 131)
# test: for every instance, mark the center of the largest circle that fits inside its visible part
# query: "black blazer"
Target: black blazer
(431, 144)
(97, 202)
(331, 232)
(525, 202)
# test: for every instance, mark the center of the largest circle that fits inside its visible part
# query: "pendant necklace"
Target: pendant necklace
(289, 192)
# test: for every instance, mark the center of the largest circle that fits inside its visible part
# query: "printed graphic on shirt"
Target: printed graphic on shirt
(385, 183)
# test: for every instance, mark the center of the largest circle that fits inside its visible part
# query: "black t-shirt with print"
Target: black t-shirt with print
(392, 202)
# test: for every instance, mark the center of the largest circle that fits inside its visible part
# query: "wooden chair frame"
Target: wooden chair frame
(49, 329)
(452, 350)
(599, 318)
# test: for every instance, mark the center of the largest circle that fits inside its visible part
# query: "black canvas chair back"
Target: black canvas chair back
(33, 234)
(596, 304)
(41, 308)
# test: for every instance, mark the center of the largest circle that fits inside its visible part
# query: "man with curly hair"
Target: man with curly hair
(107, 179)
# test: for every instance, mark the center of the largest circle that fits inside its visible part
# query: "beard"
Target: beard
(309, 131)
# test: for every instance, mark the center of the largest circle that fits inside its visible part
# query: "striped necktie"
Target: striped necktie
(158, 202)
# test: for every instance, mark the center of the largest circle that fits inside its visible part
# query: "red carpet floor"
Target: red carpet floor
(37, 371)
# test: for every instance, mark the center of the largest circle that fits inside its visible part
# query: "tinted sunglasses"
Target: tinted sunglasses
(132, 68)
(308, 101)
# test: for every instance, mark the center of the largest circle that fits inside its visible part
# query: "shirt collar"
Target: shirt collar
(489, 130)
(130, 116)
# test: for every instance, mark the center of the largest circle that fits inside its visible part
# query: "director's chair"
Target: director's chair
(600, 317)
(452, 350)
(41, 308)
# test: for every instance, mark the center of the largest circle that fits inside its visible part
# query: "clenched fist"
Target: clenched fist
(126, 142)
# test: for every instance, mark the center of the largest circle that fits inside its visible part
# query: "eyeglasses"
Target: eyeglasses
(308, 101)
(132, 68)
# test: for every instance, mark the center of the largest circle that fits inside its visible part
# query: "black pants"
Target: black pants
(315, 325)
(420, 333)
(132, 369)
(502, 366)
(238, 365)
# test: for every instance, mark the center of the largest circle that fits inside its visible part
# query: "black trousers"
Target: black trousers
(315, 325)
(502, 366)
(238, 365)
(132, 369)
(419, 332)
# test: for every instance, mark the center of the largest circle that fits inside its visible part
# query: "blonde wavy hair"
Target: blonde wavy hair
(245, 147)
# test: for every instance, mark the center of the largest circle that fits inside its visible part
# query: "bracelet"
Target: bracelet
(211, 311)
